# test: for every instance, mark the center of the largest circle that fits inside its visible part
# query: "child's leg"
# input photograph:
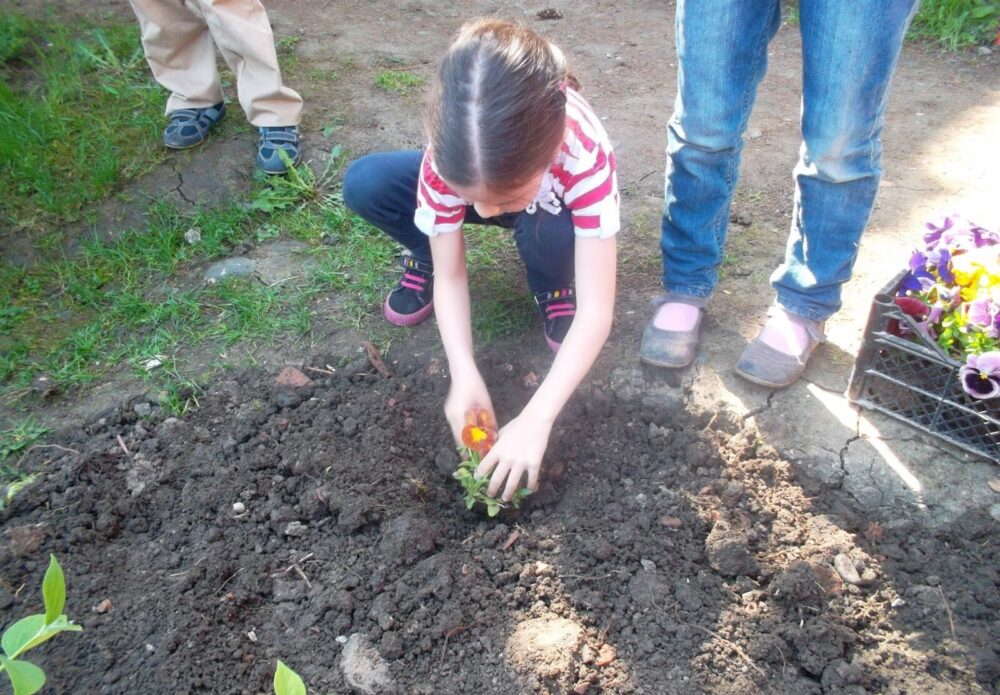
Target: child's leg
(382, 188)
(180, 53)
(546, 243)
(243, 34)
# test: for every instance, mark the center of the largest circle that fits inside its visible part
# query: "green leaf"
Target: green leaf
(20, 634)
(492, 508)
(53, 590)
(25, 677)
(28, 633)
(287, 682)
(470, 502)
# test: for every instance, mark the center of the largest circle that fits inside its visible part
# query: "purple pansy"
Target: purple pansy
(958, 234)
(985, 313)
(981, 375)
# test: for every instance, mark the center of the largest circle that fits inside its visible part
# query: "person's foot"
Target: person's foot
(671, 337)
(778, 356)
(273, 141)
(557, 309)
(413, 299)
(189, 127)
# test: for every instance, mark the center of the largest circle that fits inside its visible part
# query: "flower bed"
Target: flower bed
(930, 355)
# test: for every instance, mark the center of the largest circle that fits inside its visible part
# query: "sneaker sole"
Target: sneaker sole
(180, 148)
(666, 365)
(397, 319)
(553, 345)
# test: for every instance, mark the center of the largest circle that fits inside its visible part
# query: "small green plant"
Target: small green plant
(19, 436)
(300, 185)
(398, 81)
(29, 632)
(956, 24)
(478, 436)
(287, 681)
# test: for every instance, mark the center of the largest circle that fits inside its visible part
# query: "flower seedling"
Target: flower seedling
(478, 437)
(29, 632)
(287, 681)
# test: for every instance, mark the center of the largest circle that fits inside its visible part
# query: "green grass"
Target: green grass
(954, 24)
(78, 115)
(119, 304)
(957, 24)
(398, 81)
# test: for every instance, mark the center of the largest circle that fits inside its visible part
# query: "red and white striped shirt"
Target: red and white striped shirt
(582, 177)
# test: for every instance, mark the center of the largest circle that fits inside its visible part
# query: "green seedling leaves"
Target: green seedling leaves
(29, 632)
(25, 677)
(53, 590)
(287, 681)
(474, 487)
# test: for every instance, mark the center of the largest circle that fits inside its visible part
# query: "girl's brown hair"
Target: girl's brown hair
(498, 106)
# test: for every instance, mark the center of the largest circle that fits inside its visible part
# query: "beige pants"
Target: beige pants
(179, 39)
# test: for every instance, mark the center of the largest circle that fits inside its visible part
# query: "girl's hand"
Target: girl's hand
(518, 451)
(467, 394)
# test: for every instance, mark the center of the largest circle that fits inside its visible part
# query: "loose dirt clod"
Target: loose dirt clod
(362, 666)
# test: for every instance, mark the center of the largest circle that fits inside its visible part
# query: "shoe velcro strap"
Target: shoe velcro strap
(543, 297)
(275, 137)
(411, 263)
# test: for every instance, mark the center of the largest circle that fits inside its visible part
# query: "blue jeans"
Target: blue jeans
(849, 52)
(382, 188)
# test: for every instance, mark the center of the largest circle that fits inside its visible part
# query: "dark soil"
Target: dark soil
(667, 552)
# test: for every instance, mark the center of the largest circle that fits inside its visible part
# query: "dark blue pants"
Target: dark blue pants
(382, 188)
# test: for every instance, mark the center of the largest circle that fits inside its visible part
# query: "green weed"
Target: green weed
(19, 437)
(398, 81)
(956, 24)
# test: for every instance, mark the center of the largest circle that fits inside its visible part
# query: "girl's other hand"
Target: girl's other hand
(467, 394)
(518, 451)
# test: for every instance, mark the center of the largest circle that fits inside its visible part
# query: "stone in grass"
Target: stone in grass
(363, 667)
(237, 266)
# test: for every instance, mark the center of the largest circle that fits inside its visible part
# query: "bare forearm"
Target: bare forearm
(579, 350)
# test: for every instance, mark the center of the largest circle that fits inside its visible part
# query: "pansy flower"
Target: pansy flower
(985, 313)
(980, 375)
(479, 433)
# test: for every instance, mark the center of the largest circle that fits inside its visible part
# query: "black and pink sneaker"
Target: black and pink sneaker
(413, 299)
(557, 309)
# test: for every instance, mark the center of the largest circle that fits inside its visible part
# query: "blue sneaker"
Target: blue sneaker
(189, 127)
(274, 140)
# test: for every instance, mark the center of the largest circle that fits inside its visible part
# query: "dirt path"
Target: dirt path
(690, 523)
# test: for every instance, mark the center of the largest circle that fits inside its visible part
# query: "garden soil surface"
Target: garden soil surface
(679, 542)
(666, 552)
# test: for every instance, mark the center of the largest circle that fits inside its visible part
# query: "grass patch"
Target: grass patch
(502, 307)
(398, 81)
(79, 114)
(957, 24)
(954, 24)
(121, 305)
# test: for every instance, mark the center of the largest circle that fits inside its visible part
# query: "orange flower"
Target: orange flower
(479, 433)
